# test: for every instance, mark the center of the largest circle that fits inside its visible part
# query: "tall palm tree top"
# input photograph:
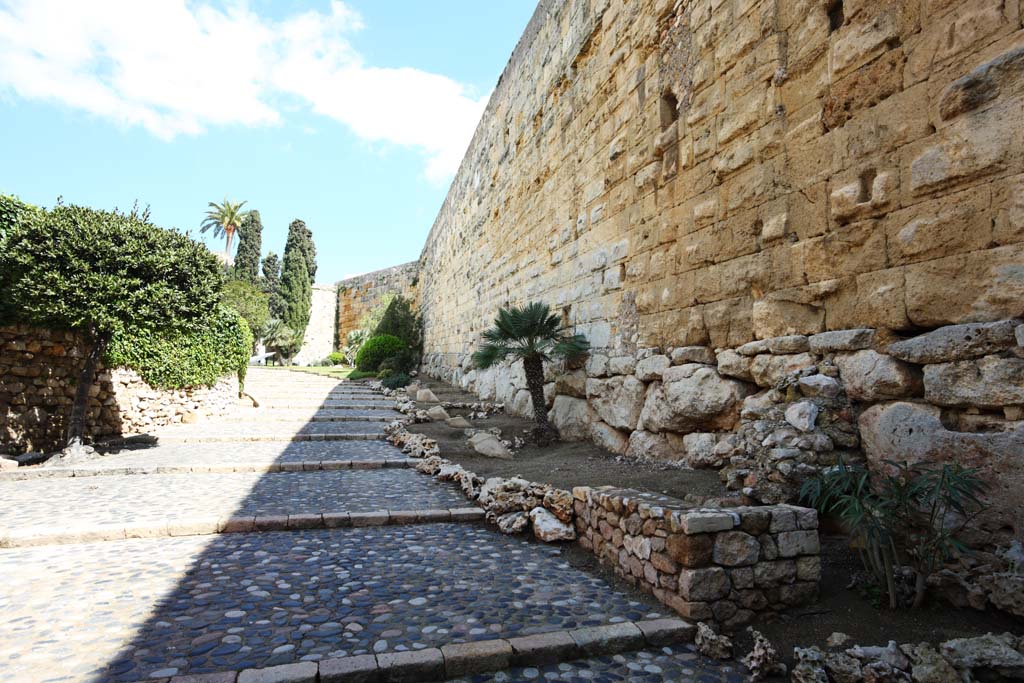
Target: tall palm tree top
(224, 218)
(531, 331)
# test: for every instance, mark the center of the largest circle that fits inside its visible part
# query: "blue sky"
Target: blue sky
(350, 115)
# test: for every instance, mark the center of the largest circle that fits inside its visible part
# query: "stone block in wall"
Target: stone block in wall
(989, 382)
(692, 397)
(872, 376)
(956, 342)
(572, 417)
(617, 400)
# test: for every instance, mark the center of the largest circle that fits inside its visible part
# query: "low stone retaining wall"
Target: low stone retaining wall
(38, 370)
(724, 565)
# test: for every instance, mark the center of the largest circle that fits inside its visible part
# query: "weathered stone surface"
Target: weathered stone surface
(701, 450)
(572, 384)
(732, 364)
(458, 423)
(871, 376)
(692, 397)
(437, 414)
(650, 368)
(956, 342)
(912, 432)
(572, 418)
(299, 672)
(426, 396)
(652, 446)
(842, 340)
(767, 369)
(548, 528)
(928, 666)
(802, 415)
(465, 659)
(609, 438)
(708, 583)
(793, 343)
(711, 644)
(489, 445)
(819, 385)
(692, 354)
(513, 522)
(736, 549)
(618, 400)
(989, 651)
(690, 550)
(989, 382)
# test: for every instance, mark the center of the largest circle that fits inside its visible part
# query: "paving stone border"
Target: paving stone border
(370, 436)
(461, 659)
(203, 526)
(298, 466)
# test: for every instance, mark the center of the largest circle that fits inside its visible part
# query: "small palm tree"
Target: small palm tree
(224, 218)
(533, 335)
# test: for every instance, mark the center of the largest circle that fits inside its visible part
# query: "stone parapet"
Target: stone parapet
(725, 565)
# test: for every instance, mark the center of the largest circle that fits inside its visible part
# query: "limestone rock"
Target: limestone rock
(692, 354)
(956, 342)
(736, 549)
(559, 503)
(458, 422)
(802, 415)
(1006, 591)
(701, 450)
(791, 343)
(842, 668)
(650, 446)
(988, 651)
(872, 376)
(820, 386)
(842, 340)
(438, 414)
(767, 370)
(488, 444)
(609, 438)
(8, 464)
(890, 654)
(809, 667)
(928, 666)
(692, 397)
(732, 364)
(711, 644)
(426, 396)
(618, 400)
(572, 384)
(989, 382)
(763, 658)
(597, 365)
(572, 418)
(513, 522)
(622, 365)
(650, 368)
(548, 528)
(912, 432)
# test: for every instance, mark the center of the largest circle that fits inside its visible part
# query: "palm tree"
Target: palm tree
(531, 334)
(224, 218)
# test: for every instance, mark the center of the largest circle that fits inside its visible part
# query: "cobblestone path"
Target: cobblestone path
(161, 608)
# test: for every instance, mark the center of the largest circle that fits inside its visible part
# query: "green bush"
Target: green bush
(335, 358)
(186, 359)
(249, 301)
(359, 374)
(400, 320)
(396, 381)
(376, 350)
(403, 362)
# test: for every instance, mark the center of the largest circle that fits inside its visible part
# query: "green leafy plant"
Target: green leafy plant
(396, 381)
(401, 320)
(225, 219)
(910, 515)
(359, 374)
(104, 274)
(282, 340)
(250, 244)
(335, 358)
(189, 358)
(249, 301)
(534, 335)
(376, 350)
(353, 342)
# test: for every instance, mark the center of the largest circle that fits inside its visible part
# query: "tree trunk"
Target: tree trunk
(534, 369)
(227, 249)
(76, 422)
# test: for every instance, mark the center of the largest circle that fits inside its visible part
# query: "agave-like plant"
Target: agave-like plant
(225, 219)
(534, 335)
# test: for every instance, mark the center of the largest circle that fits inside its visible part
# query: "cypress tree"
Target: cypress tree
(300, 238)
(296, 292)
(272, 283)
(250, 243)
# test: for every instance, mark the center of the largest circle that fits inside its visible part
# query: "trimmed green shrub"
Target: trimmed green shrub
(359, 374)
(190, 358)
(376, 350)
(400, 320)
(335, 358)
(404, 361)
(396, 381)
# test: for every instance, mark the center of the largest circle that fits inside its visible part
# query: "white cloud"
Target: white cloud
(176, 67)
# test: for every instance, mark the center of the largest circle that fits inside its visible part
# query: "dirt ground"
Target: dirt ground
(839, 608)
(563, 464)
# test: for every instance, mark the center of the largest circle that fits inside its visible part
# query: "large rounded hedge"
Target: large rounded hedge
(376, 350)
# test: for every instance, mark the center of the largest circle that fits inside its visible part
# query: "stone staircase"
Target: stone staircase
(290, 543)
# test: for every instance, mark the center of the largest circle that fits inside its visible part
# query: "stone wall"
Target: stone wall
(319, 339)
(698, 172)
(723, 565)
(38, 369)
(358, 295)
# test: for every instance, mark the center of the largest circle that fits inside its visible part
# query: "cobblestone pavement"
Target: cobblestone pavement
(676, 664)
(316, 415)
(264, 430)
(142, 609)
(245, 600)
(137, 499)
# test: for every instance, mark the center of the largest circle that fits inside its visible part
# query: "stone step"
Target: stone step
(303, 417)
(213, 438)
(26, 473)
(122, 501)
(260, 430)
(249, 601)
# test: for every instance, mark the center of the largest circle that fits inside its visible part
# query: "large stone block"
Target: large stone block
(692, 397)
(572, 418)
(872, 376)
(617, 400)
(956, 342)
(989, 382)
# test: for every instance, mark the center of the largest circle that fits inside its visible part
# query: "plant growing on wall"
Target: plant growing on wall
(225, 219)
(534, 335)
(250, 243)
(909, 516)
(102, 274)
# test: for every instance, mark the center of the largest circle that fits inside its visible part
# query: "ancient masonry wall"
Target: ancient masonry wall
(319, 339)
(793, 230)
(38, 369)
(357, 295)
